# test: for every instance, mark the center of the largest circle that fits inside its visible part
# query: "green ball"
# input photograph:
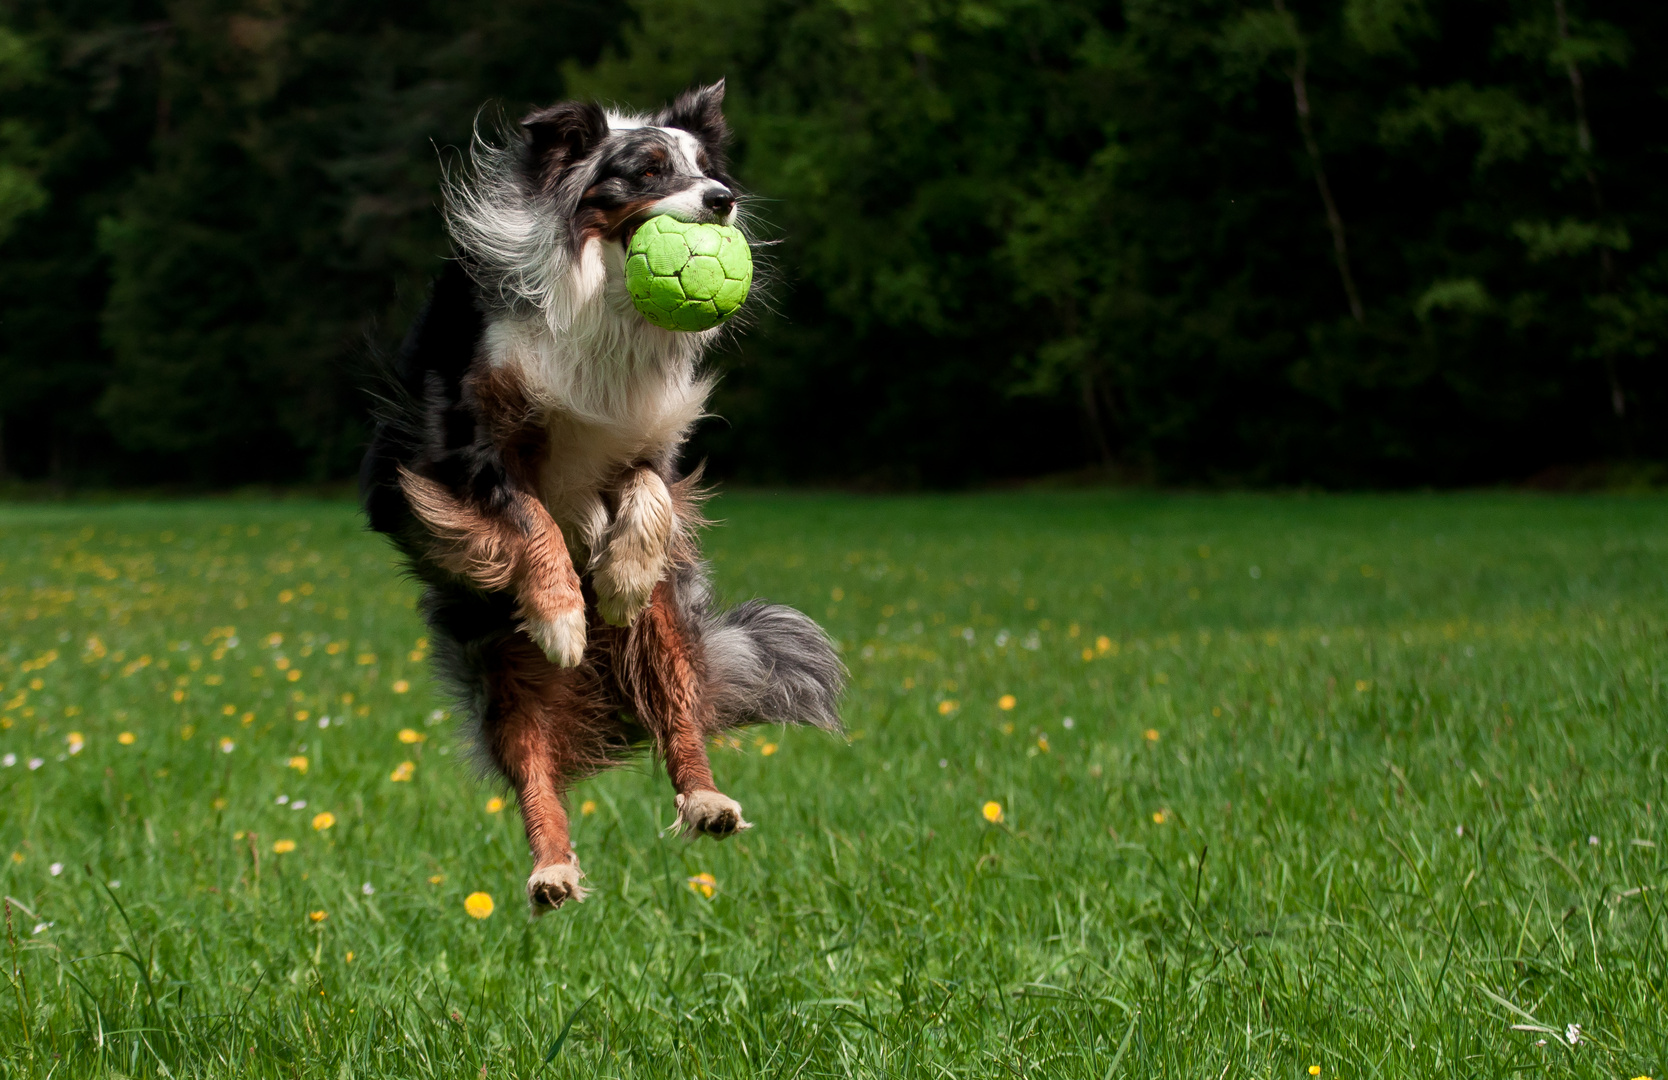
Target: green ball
(686, 276)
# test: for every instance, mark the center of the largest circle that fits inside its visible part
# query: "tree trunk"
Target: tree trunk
(1097, 427)
(1584, 139)
(1334, 220)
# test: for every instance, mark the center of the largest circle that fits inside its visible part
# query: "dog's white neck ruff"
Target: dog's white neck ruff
(612, 390)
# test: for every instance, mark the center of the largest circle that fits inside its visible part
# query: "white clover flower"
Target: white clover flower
(9, 760)
(55, 869)
(35, 763)
(368, 889)
(1573, 1033)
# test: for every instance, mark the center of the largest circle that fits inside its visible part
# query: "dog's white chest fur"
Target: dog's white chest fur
(612, 392)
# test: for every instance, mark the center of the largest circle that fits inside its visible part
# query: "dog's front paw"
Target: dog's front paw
(709, 812)
(560, 635)
(625, 583)
(551, 886)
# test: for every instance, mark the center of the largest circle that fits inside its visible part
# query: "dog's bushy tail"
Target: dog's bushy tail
(766, 663)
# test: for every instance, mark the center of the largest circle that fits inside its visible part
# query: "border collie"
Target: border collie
(525, 465)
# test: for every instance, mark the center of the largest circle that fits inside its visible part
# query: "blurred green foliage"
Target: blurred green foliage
(1328, 241)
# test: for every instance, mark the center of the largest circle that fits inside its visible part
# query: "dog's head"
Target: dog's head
(608, 173)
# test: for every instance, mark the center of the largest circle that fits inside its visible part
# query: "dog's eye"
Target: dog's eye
(650, 173)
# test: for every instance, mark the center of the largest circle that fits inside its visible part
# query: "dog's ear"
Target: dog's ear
(561, 134)
(701, 113)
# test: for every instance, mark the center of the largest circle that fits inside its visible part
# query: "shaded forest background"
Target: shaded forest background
(1335, 242)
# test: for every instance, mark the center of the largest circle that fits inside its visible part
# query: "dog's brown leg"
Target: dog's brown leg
(519, 546)
(665, 673)
(548, 585)
(525, 735)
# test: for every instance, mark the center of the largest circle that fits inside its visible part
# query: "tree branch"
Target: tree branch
(1334, 220)
(1584, 139)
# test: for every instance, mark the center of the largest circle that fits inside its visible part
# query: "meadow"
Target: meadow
(1135, 785)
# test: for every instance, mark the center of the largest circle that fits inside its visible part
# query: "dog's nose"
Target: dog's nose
(719, 200)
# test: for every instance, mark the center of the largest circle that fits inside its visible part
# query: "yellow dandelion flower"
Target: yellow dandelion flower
(293, 674)
(348, 958)
(283, 847)
(478, 905)
(408, 736)
(495, 805)
(1314, 1070)
(993, 812)
(220, 804)
(286, 596)
(768, 749)
(947, 706)
(318, 916)
(188, 730)
(1103, 644)
(246, 719)
(1088, 654)
(401, 686)
(227, 745)
(323, 821)
(703, 883)
(1361, 686)
(302, 716)
(299, 763)
(1006, 702)
(228, 710)
(437, 879)
(179, 696)
(587, 808)
(126, 738)
(17, 856)
(1042, 743)
(76, 741)
(1160, 816)
(1151, 734)
(402, 772)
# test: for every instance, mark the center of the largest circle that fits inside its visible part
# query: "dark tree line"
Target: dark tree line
(1320, 241)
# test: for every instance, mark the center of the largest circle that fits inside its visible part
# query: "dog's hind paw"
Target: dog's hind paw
(551, 886)
(561, 636)
(709, 812)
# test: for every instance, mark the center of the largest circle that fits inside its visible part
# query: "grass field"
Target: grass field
(1373, 785)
